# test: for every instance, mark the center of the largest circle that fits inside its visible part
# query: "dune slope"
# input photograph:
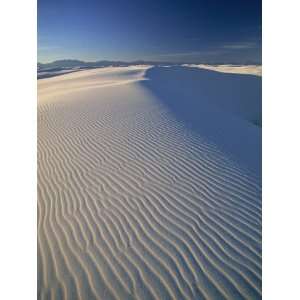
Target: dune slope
(134, 202)
(233, 69)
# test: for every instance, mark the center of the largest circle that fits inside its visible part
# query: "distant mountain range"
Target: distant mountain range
(73, 63)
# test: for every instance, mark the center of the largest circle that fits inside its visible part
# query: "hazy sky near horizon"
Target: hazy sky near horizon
(174, 30)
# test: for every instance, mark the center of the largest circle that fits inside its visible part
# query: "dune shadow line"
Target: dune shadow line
(224, 108)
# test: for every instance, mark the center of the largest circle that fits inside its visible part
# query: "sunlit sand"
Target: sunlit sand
(149, 184)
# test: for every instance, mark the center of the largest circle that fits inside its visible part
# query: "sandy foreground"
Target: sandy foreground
(149, 184)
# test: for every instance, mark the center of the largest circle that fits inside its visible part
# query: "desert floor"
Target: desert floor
(149, 184)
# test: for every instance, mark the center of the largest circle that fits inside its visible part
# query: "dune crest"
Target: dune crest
(233, 69)
(135, 201)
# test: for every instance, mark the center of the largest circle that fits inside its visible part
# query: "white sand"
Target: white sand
(233, 69)
(136, 203)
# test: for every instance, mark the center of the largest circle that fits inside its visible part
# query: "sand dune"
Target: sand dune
(137, 202)
(233, 69)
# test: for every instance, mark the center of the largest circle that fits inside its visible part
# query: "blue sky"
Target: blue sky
(178, 31)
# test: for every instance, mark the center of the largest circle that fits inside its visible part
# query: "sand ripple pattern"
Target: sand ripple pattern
(134, 205)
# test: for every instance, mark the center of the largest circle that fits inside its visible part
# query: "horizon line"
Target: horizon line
(148, 61)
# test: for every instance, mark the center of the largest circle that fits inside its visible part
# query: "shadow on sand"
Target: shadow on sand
(224, 108)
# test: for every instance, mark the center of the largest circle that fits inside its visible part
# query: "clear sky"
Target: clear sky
(174, 30)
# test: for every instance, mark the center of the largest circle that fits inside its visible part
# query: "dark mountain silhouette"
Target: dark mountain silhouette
(73, 63)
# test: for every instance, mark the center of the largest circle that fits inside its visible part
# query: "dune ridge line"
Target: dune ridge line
(135, 204)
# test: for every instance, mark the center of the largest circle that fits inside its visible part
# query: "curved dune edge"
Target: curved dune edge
(132, 204)
(232, 69)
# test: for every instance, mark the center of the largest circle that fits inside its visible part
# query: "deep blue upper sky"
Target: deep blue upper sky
(174, 30)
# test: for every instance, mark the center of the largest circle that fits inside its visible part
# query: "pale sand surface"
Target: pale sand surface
(133, 202)
(233, 69)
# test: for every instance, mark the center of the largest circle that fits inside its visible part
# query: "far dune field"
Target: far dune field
(149, 183)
